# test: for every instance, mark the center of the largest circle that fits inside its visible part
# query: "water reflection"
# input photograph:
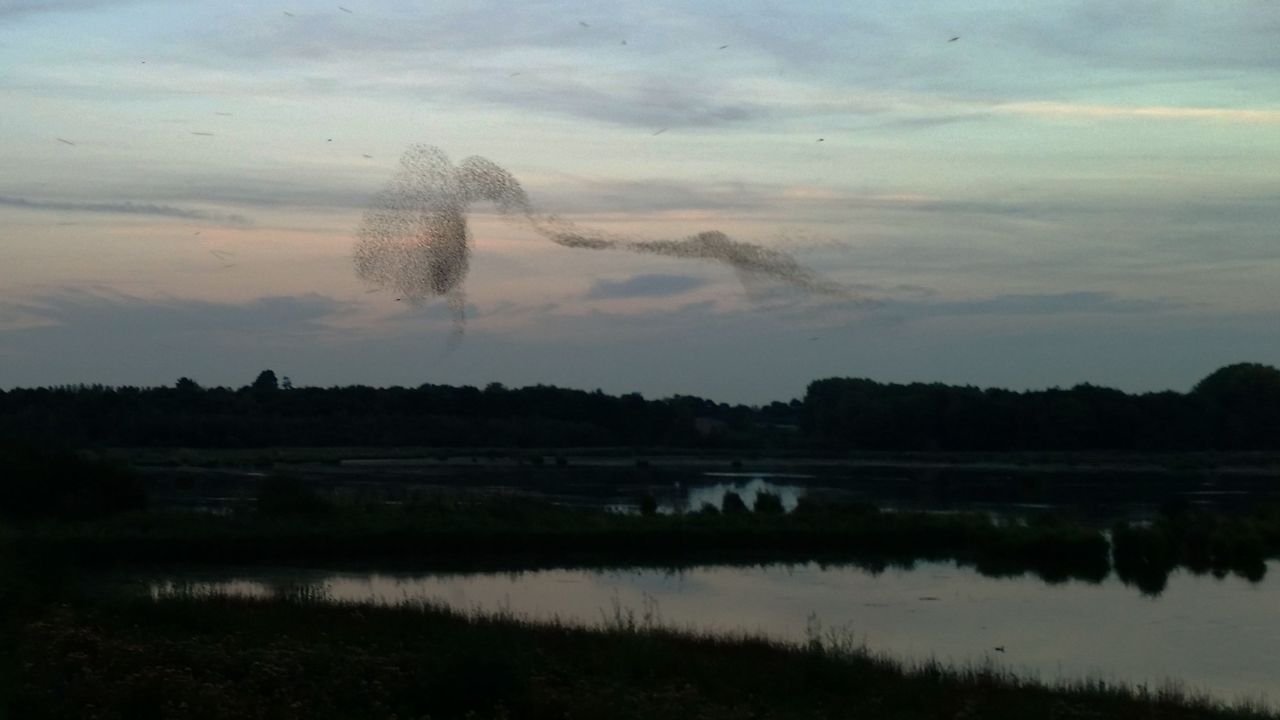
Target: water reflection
(699, 496)
(694, 496)
(1215, 634)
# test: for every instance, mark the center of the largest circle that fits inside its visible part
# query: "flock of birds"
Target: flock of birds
(414, 238)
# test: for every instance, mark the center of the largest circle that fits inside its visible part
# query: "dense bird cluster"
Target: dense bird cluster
(414, 238)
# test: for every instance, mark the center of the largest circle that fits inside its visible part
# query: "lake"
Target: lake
(1099, 496)
(1218, 635)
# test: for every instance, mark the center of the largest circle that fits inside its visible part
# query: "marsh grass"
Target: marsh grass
(295, 657)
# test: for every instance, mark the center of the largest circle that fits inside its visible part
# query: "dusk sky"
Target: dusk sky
(1068, 192)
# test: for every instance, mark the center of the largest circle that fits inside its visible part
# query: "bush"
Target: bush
(733, 504)
(281, 495)
(648, 506)
(768, 503)
(63, 484)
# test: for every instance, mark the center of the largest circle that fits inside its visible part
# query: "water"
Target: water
(1218, 635)
(1098, 498)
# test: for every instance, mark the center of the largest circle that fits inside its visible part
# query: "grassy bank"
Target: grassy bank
(289, 658)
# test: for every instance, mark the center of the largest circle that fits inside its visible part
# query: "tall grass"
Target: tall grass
(296, 658)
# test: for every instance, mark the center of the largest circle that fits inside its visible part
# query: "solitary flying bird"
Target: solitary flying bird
(957, 37)
(65, 142)
(583, 24)
(289, 14)
(344, 10)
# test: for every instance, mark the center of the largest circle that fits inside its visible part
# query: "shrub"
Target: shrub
(281, 495)
(648, 506)
(768, 503)
(733, 504)
(44, 482)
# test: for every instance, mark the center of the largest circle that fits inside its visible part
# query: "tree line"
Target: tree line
(1235, 408)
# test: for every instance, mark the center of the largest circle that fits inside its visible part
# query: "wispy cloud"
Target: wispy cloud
(99, 311)
(126, 208)
(1149, 112)
(97, 335)
(18, 8)
(644, 286)
(1041, 304)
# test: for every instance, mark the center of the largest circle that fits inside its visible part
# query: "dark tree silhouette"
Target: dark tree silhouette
(266, 381)
(1235, 408)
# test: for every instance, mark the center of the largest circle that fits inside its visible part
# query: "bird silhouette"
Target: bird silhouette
(957, 37)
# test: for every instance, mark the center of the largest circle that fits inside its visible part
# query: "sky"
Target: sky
(1065, 192)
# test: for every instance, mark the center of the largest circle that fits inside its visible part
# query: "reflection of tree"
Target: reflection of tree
(1200, 542)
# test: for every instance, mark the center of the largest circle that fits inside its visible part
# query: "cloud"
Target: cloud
(126, 208)
(650, 103)
(1042, 304)
(1151, 112)
(102, 311)
(18, 8)
(96, 335)
(644, 286)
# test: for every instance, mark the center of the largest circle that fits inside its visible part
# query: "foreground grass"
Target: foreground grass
(290, 658)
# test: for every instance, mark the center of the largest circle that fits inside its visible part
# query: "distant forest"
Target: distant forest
(1234, 408)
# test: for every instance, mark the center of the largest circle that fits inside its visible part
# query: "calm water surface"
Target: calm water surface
(1220, 635)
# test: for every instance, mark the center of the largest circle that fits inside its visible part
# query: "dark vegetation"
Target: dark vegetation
(465, 532)
(42, 482)
(72, 509)
(1201, 542)
(64, 510)
(289, 658)
(1236, 408)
